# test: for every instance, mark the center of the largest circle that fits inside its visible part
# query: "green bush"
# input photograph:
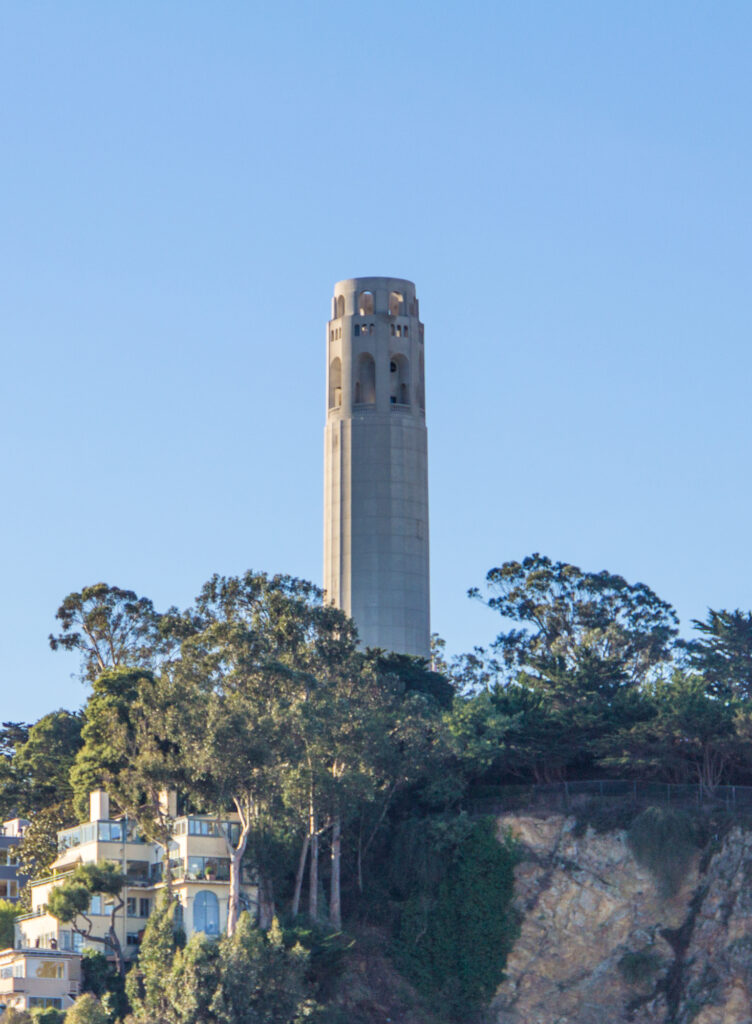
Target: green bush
(640, 967)
(663, 840)
(453, 938)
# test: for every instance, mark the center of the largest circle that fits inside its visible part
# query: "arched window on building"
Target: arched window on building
(335, 383)
(206, 912)
(365, 303)
(365, 380)
(340, 305)
(396, 303)
(399, 380)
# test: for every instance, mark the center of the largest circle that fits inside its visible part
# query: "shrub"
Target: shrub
(453, 939)
(87, 1010)
(640, 967)
(663, 840)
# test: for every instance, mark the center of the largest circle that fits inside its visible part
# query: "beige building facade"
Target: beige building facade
(376, 554)
(200, 868)
(38, 978)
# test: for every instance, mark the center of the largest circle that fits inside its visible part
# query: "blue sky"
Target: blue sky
(181, 184)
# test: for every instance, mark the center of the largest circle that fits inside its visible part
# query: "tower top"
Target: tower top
(363, 296)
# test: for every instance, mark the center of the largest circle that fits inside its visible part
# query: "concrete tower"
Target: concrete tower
(375, 464)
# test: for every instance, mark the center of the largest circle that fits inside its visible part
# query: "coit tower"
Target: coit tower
(375, 464)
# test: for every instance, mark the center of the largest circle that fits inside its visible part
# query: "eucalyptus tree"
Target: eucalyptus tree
(131, 748)
(577, 631)
(115, 628)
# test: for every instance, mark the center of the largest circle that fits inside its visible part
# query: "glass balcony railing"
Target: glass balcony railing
(195, 826)
(116, 831)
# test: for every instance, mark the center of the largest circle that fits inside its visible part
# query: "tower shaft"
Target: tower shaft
(375, 464)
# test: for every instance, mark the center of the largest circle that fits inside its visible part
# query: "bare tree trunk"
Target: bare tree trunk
(236, 863)
(313, 871)
(266, 902)
(115, 941)
(335, 902)
(299, 875)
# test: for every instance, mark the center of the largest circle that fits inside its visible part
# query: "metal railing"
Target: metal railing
(570, 795)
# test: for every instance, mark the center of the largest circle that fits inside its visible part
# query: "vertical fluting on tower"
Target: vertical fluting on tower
(375, 464)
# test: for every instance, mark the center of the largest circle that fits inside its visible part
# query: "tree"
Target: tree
(12, 1016)
(240, 685)
(12, 736)
(148, 983)
(112, 628)
(38, 847)
(723, 653)
(686, 734)
(42, 764)
(590, 631)
(262, 982)
(87, 1010)
(8, 913)
(72, 900)
(132, 720)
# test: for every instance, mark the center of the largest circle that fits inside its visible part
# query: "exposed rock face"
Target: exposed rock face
(601, 944)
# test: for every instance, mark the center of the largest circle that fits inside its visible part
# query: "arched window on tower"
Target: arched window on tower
(365, 380)
(335, 383)
(396, 303)
(399, 380)
(340, 305)
(365, 303)
(206, 912)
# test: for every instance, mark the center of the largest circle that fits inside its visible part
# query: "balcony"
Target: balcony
(113, 831)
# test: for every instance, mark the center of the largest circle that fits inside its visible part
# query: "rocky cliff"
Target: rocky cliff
(601, 942)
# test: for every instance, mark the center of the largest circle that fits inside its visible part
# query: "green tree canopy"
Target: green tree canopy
(723, 653)
(42, 764)
(111, 627)
(577, 630)
(71, 900)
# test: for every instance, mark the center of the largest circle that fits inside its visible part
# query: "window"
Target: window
(206, 913)
(95, 907)
(144, 907)
(130, 906)
(46, 1001)
(396, 302)
(356, 330)
(131, 938)
(365, 382)
(399, 331)
(391, 331)
(335, 392)
(365, 303)
(211, 868)
(340, 305)
(50, 969)
(404, 330)
(399, 380)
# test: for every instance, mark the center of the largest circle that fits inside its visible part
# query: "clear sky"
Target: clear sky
(181, 184)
